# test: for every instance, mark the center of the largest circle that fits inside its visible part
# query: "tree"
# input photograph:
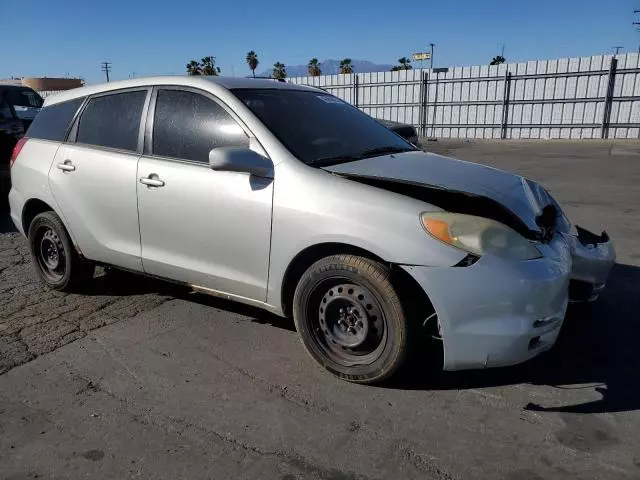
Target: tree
(209, 66)
(497, 60)
(314, 67)
(345, 66)
(194, 68)
(279, 71)
(252, 61)
(405, 64)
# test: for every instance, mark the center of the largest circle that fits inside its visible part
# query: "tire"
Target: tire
(350, 319)
(54, 257)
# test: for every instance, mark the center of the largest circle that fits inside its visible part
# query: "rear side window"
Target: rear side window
(112, 121)
(187, 125)
(23, 97)
(52, 122)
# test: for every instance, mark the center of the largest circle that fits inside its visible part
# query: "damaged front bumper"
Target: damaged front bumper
(593, 257)
(498, 312)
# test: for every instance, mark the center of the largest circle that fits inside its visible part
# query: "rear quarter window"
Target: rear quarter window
(113, 120)
(24, 97)
(53, 121)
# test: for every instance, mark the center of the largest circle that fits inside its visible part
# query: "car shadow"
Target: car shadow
(6, 224)
(114, 282)
(597, 347)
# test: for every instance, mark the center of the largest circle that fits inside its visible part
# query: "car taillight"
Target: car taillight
(16, 150)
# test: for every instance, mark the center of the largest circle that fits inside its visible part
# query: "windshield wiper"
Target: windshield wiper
(326, 161)
(374, 152)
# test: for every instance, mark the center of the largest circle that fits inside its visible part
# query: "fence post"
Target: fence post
(505, 105)
(356, 81)
(423, 104)
(608, 99)
(435, 107)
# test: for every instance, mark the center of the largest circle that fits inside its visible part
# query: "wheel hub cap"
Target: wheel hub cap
(50, 254)
(50, 250)
(344, 316)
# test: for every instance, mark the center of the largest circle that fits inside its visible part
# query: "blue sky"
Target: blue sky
(67, 37)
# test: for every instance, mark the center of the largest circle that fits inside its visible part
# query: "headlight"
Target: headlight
(478, 235)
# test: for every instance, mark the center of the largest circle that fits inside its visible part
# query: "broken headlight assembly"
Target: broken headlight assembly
(478, 235)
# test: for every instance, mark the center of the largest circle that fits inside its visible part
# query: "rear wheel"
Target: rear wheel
(350, 319)
(56, 261)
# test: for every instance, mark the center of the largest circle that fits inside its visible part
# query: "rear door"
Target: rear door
(207, 228)
(93, 177)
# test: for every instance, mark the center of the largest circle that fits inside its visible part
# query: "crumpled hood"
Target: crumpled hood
(525, 198)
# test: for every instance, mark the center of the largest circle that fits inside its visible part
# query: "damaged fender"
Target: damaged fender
(593, 257)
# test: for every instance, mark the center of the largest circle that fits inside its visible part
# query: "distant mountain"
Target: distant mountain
(331, 67)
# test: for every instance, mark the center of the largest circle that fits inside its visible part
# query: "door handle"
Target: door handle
(152, 182)
(67, 166)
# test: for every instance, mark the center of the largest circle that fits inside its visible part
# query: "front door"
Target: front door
(207, 228)
(93, 179)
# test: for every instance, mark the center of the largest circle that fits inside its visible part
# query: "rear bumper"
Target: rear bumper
(593, 258)
(16, 204)
(496, 312)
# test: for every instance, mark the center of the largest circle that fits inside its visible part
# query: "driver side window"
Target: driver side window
(188, 125)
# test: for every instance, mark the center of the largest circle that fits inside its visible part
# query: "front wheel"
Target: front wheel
(56, 261)
(350, 319)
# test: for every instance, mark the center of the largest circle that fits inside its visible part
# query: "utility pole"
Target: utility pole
(432, 45)
(106, 68)
(637, 25)
(617, 49)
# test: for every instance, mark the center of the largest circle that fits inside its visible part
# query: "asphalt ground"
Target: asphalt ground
(138, 378)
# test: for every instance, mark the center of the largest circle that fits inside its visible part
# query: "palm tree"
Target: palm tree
(279, 72)
(345, 66)
(252, 61)
(209, 66)
(497, 60)
(405, 64)
(314, 67)
(194, 68)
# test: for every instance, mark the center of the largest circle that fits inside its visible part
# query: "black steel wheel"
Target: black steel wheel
(50, 255)
(56, 261)
(350, 319)
(350, 327)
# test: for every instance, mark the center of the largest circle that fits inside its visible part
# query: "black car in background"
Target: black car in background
(408, 132)
(18, 107)
(24, 101)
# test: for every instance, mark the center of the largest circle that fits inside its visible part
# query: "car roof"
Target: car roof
(203, 82)
(15, 87)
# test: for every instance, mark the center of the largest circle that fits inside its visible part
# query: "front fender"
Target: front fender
(313, 207)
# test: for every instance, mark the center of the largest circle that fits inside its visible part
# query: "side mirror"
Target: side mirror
(238, 159)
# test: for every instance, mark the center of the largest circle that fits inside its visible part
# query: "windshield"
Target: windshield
(23, 98)
(321, 129)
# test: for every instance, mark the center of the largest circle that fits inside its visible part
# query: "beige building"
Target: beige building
(45, 85)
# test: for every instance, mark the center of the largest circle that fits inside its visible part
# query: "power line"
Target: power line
(106, 68)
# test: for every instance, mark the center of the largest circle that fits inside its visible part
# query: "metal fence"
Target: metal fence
(586, 97)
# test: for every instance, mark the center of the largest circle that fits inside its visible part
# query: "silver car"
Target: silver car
(285, 197)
